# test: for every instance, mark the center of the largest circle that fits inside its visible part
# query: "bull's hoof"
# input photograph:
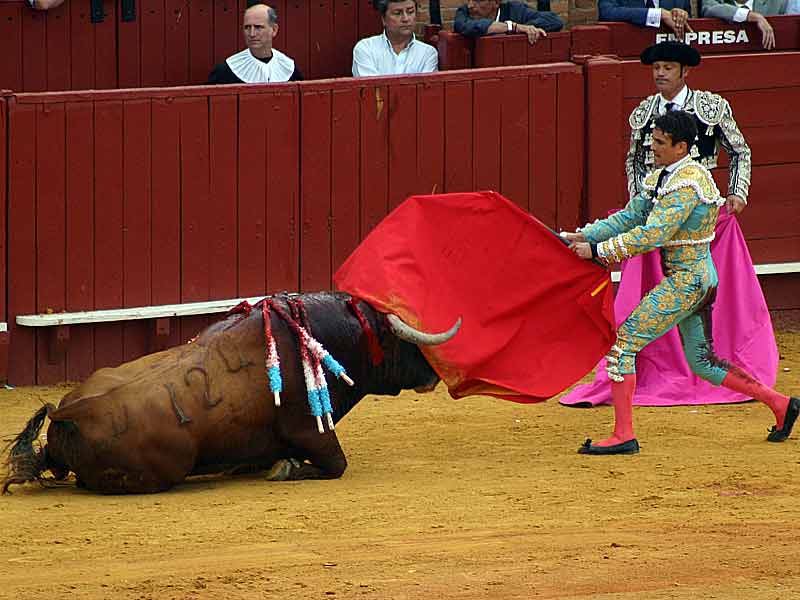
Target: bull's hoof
(282, 470)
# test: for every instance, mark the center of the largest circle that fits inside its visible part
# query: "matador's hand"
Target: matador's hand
(735, 204)
(573, 237)
(582, 249)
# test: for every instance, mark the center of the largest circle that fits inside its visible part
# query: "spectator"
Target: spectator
(45, 4)
(672, 14)
(754, 11)
(397, 50)
(259, 62)
(486, 17)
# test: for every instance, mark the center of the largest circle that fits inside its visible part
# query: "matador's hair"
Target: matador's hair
(679, 125)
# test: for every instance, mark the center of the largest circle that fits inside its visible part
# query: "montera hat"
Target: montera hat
(671, 51)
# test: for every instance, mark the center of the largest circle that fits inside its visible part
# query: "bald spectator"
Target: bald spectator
(45, 4)
(397, 50)
(259, 62)
(754, 11)
(487, 17)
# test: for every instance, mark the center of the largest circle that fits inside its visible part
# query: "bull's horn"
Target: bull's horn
(409, 334)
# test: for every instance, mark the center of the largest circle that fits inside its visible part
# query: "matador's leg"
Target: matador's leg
(698, 346)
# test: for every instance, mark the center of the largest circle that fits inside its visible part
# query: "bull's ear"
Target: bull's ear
(409, 334)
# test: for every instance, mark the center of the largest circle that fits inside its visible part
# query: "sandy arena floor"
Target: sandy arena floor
(477, 498)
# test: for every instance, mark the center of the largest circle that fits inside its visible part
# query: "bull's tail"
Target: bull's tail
(26, 460)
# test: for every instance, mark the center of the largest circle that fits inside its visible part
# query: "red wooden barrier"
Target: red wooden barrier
(459, 52)
(711, 36)
(171, 42)
(130, 198)
(764, 95)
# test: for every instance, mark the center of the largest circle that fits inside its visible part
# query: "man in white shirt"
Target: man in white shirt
(259, 62)
(396, 51)
(739, 11)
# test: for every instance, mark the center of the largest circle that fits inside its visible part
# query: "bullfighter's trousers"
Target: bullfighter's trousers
(683, 298)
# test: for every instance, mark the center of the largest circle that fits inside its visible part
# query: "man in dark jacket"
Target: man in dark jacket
(672, 14)
(487, 17)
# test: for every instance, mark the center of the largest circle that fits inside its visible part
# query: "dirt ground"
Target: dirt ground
(477, 498)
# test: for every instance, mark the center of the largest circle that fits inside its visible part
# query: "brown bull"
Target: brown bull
(205, 407)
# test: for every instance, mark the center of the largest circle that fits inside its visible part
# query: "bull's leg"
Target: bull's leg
(315, 456)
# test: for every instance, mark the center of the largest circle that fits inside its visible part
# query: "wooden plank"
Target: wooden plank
(345, 165)
(11, 46)
(488, 52)
(514, 50)
(3, 205)
(488, 131)
(129, 55)
(570, 144)
(34, 61)
(201, 41)
(80, 234)
(403, 145)
(315, 204)
(196, 208)
(607, 136)
(782, 291)
(322, 35)
(108, 226)
(227, 34)
(430, 136)
(298, 40)
(515, 127)
(136, 240)
(176, 42)
(543, 180)
(82, 46)
(369, 20)
(774, 195)
(374, 156)
(152, 17)
(50, 226)
(223, 145)
(58, 48)
(345, 27)
(459, 126)
(252, 180)
(22, 240)
(283, 192)
(105, 40)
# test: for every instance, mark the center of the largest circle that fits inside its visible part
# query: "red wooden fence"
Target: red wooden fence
(171, 42)
(765, 109)
(131, 198)
(460, 52)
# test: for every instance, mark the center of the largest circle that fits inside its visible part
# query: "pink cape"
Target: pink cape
(741, 327)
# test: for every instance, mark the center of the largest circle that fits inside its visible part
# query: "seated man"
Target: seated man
(671, 14)
(396, 51)
(486, 17)
(739, 11)
(259, 62)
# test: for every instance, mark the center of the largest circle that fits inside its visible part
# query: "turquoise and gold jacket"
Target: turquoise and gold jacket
(679, 218)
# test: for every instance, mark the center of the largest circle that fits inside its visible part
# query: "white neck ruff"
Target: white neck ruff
(251, 70)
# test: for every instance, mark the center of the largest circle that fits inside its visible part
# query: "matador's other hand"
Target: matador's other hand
(582, 249)
(735, 204)
(572, 237)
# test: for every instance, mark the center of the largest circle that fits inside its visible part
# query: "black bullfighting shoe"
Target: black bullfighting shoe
(780, 435)
(629, 447)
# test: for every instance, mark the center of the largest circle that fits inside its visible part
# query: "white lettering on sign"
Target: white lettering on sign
(706, 38)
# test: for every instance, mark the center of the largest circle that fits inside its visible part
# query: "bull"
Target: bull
(204, 407)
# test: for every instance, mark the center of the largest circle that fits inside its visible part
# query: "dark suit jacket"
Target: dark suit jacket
(634, 11)
(509, 11)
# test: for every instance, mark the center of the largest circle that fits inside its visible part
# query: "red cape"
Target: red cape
(536, 318)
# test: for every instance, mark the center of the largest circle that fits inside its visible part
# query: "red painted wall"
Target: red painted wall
(131, 198)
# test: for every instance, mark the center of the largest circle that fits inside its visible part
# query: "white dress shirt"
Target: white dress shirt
(679, 101)
(654, 15)
(740, 16)
(375, 56)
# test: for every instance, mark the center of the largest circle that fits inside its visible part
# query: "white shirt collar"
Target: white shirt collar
(408, 45)
(678, 163)
(679, 99)
(497, 18)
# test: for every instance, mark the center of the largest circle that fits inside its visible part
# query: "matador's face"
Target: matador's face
(669, 77)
